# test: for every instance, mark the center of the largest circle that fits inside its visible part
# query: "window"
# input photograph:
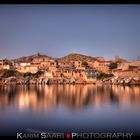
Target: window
(88, 72)
(93, 72)
(88, 77)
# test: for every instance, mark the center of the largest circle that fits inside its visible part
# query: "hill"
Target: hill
(69, 57)
(81, 57)
(30, 58)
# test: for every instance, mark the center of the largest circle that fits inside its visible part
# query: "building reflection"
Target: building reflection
(48, 97)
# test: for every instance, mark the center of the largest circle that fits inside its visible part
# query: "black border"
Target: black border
(69, 1)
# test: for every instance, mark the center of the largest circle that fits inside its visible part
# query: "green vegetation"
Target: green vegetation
(113, 66)
(27, 74)
(33, 75)
(104, 75)
(85, 64)
(9, 73)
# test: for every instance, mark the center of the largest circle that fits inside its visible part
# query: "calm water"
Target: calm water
(69, 108)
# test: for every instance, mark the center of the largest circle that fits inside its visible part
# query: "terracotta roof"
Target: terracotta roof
(103, 61)
(130, 66)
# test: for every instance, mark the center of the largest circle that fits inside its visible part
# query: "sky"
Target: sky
(57, 30)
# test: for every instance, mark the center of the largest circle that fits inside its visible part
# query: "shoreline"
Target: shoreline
(97, 84)
(70, 81)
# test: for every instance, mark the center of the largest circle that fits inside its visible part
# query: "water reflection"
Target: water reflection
(72, 97)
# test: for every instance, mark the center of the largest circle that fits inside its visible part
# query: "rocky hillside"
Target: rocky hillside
(81, 57)
(30, 58)
(69, 57)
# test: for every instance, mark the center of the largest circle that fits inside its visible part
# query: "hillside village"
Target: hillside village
(71, 69)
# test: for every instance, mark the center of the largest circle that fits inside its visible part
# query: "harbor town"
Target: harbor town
(69, 69)
(74, 68)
